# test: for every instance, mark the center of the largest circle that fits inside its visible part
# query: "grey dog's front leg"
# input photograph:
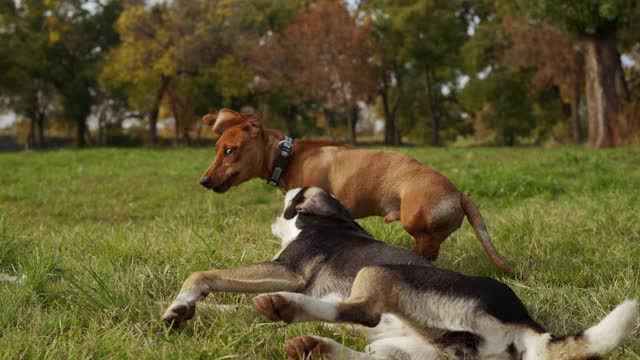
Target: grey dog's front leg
(257, 278)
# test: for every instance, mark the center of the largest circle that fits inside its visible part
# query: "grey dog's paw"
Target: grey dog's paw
(177, 314)
(306, 347)
(276, 307)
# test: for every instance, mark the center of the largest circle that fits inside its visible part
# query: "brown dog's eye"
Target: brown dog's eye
(229, 151)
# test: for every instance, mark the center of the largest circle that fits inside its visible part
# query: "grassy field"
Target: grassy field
(102, 240)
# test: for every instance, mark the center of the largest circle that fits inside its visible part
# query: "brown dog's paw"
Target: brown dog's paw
(178, 314)
(307, 347)
(277, 307)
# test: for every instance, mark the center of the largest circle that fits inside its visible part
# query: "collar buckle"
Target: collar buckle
(285, 148)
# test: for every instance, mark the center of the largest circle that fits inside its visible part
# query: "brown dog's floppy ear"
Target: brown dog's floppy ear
(252, 119)
(209, 119)
(224, 120)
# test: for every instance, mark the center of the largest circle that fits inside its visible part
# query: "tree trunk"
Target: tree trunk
(353, 122)
(31, 136)
(433, 109)
(176, 123)
(153, 115)
(391, 133)
(601, 95)
(186, 137)
(33, 115)
(40, 124)
(576, 128)
(291, 120)
(176, 116)
(81, 130)
(101, 128)
(329, 117)
(199, 133)
(397, 137)
(624, 126)
(176, 133)
(435, 125)
(576, 92)
(153, 126)
(508, 137)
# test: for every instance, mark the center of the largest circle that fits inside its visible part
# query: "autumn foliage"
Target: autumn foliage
(323, 57)
(417, 71)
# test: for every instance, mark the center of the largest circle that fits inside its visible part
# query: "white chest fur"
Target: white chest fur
(285, 230)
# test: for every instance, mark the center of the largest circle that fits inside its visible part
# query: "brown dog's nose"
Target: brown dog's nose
(204, 181)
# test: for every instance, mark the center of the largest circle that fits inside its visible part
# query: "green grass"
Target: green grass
(105, 238)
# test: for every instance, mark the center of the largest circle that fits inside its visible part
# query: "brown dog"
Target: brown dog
(368, 182)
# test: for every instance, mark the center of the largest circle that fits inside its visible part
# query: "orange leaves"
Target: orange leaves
(550, 51)
(323, 56)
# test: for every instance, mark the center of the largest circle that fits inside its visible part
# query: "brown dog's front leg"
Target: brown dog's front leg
(392, 216)
(263, 277)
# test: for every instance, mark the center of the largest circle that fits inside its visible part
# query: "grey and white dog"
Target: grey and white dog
(330, 269)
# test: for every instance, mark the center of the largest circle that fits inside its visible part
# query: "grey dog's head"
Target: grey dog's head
(312, 203)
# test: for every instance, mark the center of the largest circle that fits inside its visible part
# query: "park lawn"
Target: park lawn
(105, 237)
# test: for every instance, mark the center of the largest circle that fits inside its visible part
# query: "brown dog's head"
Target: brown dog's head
(239, 150)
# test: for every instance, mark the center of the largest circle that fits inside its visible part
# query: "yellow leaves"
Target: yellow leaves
(231, 76)
(186, 41)
(217, 11)
(56, 25)
(166, 64)
(321, 121)
(165, 111)
(134, 21)
(54, 37)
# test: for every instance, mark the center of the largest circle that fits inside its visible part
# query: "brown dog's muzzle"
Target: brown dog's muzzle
(205, 181)
(212, 182)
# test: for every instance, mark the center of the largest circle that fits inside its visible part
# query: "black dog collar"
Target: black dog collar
(285, 148)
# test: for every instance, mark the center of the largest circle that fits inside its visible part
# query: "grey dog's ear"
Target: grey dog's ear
(321, 203)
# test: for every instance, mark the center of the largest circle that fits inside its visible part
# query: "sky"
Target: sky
(7, 120)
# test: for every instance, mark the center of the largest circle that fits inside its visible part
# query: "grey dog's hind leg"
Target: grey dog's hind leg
(370, 294)
(256, 278)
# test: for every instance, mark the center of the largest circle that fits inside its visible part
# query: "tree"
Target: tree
(325, 53)
(420, 41)
(79, 32)
(554, 58)
(25, 80)
(58, 45)
(596, 23)
(172, 42)
(501, 101)
(141, 65)
(531, 59)
(390, 69)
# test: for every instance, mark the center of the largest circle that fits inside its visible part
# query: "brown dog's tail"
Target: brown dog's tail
(479, 227)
